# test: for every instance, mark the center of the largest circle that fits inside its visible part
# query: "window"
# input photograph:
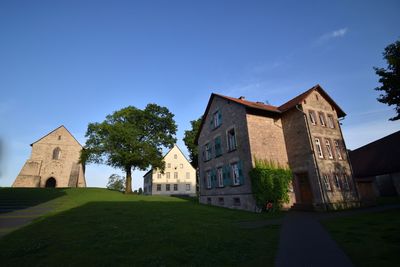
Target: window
(319, 149)
(168, 175)
(175, 156)
(56, 153)
(188, 175)
(216, 119)
(236, 201)
(168, 187)
(346, 182)
(169, 165)
(181, 166)
(220, 177)
(235, 173)
(221, 201)
(337, 148)
(326, 182)
(209, 200)
(322, 119)
(328, 148)
(331, 123)
(59, 137)
(187, 187)
(175, 175)
(217, 146)
(159, 175)
(208, 179)
(231, 140)
(158, 187)
(337, 182)
(311, 114)
(316, 97)
(207, 152)
(175, 187)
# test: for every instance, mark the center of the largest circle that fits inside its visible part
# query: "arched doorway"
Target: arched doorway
(51, 182)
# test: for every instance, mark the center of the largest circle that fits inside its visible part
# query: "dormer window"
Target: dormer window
(56, 153)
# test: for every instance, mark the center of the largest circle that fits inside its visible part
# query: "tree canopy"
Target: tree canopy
(189, 139)
(131, 139)
(116, 182)
(390, 78)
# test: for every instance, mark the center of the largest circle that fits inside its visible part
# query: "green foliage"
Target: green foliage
(131, 138)
(189, 139)
(270, 183)
(140, 191)
(116, 182)
(390, 78)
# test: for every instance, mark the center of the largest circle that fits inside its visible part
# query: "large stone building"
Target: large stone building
(179, 177)
(303, 134)
(54, 162)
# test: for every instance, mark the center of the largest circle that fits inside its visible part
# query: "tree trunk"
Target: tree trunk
(128, 180)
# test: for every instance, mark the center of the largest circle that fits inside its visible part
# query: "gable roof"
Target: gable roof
(269, 108)
(175, 145)
(62, 126)
(376, 158)
(298, 99)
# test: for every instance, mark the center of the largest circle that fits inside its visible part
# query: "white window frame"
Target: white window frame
(329, 148)
(158, 188)
(220, 177)
(216, 119)
(337, 181)
(169, 165)
(232, 145)
(208, 179)
(208, 153)
(158, 175)
(331, 123)
(187, 187)
(175, 187)
(322, 119)
(311, 115)
(167, 187)
(319, 148)
(337, 147)
(175, 175)
(235, 173)
(327, 184)
(168, 174)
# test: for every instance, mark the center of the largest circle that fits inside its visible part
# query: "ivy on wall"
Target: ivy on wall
(270, 183)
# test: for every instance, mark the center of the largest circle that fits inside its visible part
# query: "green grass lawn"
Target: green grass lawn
(101, 227)
(371, 239)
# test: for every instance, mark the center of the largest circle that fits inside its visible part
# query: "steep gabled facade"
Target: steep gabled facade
(54, 162)
(303, 134)
(179, 177)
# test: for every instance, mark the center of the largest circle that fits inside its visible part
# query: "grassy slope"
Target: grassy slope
(370, 239)
(100, 227)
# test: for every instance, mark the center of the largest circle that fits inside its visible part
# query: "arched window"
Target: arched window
(56, 153)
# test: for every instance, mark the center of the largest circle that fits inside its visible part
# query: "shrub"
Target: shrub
(270, 183)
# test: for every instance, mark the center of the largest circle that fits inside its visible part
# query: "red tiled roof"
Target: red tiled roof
(251, 104)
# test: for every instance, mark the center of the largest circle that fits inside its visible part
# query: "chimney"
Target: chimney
(242, 98)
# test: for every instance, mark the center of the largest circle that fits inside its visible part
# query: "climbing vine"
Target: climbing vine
(270, 184)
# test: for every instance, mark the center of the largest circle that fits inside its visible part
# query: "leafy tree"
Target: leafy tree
(189, 139)
(140, 191)
(390, 78)
(116, 182)
(131, 139)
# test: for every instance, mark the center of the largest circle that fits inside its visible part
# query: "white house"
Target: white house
(179, 177)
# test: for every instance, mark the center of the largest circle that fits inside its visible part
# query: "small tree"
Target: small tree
(390, 78)
(140, 191)
(189, 139)
(116, 182)
(131, 139)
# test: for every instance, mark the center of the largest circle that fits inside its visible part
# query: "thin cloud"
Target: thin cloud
(332, 35)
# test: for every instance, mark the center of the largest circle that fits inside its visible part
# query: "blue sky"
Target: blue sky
(74, 62)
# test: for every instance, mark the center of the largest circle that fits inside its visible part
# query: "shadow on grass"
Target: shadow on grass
(142, 232)
(12, 199)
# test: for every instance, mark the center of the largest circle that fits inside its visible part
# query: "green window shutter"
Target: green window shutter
(219, 117)
(241, 176)
(227, 175)
(213, 178)
(218, 150)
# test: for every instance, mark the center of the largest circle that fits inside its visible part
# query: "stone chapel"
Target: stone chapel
(54, 162)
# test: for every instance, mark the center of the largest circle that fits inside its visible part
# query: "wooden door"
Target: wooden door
(305, 188)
